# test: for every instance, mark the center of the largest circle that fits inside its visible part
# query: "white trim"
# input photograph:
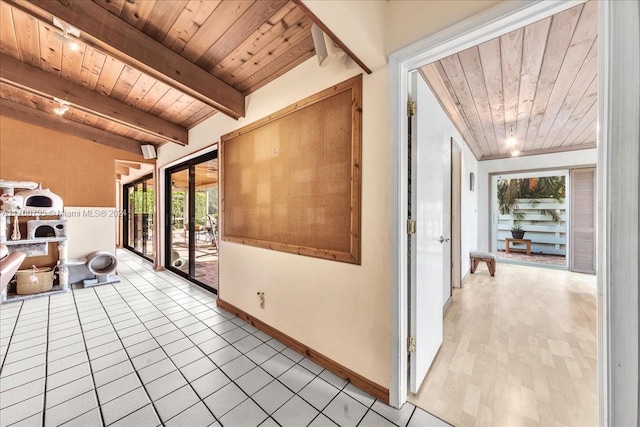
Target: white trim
(398, 245)
(494, 22)
(187, 157)
(601, 216)
(533, 172)
(618, 172)
(501, 19)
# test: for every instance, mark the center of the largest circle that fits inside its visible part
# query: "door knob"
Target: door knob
(442, 239)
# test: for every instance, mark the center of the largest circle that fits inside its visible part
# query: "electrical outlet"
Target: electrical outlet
(261, 299)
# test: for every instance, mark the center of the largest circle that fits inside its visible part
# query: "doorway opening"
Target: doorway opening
(191, 229)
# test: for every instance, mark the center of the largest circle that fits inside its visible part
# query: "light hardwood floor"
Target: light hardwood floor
(519, 349)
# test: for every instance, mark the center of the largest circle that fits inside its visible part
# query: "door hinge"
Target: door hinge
(411, 226)
(411, 344)
(411, 108)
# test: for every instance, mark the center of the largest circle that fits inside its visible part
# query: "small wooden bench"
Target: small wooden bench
(487, 257)
(509, 242)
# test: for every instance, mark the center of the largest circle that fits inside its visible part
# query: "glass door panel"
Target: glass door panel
(139, 198)
(148, 219)
(530, 218)
(179, 220)
(206, 218)
(138, 218)
(129, 240)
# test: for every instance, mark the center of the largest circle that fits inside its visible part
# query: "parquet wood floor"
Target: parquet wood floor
(519, 349)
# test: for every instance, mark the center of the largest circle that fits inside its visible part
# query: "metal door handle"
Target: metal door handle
(442, 239)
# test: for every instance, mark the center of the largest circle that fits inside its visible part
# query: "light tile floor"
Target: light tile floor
(155, 350)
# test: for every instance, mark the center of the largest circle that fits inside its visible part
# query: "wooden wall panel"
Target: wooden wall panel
(291, 181)
(80, 171)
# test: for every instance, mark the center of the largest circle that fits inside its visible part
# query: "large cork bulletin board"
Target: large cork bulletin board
(291, 182)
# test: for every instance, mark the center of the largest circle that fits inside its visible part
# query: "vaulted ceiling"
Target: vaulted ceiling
(539, 81)
(144, 71)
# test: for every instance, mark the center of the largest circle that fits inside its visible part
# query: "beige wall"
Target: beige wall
(341, 310)
(338, 309)
(409, 20)
(80, 171)
(373, 29)
(360, 25)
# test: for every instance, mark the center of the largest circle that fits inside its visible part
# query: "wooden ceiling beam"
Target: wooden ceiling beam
(123, 41)
(122, 170)
(35, 80)
(40, 118)
(130, 165)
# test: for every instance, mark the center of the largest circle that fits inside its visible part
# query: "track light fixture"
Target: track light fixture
(62, 108)
(68, 32)
(511, 141)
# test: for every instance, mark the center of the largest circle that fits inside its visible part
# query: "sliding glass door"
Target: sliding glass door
(530, 218)
(139, 199)
(192, 218)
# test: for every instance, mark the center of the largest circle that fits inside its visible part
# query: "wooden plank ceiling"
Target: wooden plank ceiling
(540, 81)
(145, 71)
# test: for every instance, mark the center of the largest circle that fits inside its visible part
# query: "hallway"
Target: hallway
(519, 349)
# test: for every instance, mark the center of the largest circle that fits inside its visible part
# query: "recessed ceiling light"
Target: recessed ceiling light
(515, 153)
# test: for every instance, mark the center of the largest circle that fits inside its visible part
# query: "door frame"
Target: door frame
(187, 164)
(618, 202)
(456, 215)
(498, 20)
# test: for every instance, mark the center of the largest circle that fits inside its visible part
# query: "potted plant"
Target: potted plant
(516, 230)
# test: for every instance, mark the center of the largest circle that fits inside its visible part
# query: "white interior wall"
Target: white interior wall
(520, 164)
(99, 223)
(469, 207)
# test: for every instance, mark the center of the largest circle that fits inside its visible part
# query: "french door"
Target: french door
(191, 231)
(139, 199)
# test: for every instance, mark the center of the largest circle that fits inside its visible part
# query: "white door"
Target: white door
(429, 156)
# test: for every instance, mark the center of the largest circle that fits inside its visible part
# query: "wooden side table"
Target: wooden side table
(508, 242)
